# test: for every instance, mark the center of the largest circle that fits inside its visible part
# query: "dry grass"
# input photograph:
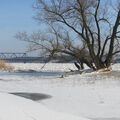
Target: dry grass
(104, 69)
(6, 66)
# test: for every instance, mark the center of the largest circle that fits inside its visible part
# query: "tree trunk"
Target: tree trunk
(110, 53)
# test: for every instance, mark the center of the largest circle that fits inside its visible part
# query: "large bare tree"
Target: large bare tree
(94, 22)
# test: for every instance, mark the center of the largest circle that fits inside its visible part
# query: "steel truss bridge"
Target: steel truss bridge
(19, 57)
(12, 55)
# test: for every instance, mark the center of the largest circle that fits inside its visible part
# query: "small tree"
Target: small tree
(93, 23)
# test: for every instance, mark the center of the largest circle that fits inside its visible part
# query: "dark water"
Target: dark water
(32, 96)
(26, 73)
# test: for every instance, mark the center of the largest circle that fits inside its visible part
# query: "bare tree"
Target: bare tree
(86, 18)
(57, 41)
(94, 22)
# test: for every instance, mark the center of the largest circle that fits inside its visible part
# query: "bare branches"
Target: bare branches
(87, 20)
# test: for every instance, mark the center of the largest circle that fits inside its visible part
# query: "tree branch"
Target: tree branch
(98, 27)
(109, 56)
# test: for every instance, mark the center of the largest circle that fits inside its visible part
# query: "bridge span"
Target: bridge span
(20, 58)
(12, 55)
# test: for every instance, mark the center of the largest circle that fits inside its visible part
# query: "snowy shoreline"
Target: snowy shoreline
(16, 108)
(93, 95)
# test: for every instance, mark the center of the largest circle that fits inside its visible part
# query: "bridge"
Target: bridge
(20, 57)
(12, 55)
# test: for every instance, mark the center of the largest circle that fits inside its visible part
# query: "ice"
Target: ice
(91, 95)
(16, 108)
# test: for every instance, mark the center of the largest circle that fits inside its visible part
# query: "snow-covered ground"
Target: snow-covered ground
(93, 95)
(16, 108)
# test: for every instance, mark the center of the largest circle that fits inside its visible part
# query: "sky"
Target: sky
(15, 16)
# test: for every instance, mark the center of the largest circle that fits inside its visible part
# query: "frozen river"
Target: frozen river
(91, 95)
(38, 96)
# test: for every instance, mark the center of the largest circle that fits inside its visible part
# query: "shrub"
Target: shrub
(5, 66)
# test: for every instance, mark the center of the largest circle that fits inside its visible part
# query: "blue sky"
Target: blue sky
(15, 16)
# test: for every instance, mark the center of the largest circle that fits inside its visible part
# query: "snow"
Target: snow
(16, 108)
(92, 95)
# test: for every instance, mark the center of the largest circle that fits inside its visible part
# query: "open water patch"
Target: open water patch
(26, 73)
(32, 96)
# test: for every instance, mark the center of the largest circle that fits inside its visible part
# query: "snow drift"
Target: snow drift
(16, 108)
